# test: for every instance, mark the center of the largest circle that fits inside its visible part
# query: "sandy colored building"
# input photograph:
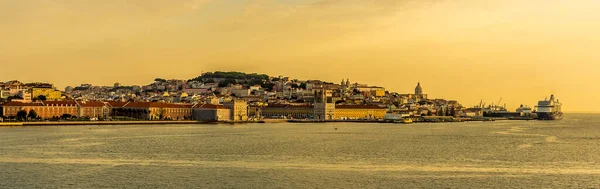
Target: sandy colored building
(239, 109)
(283, 110)
(152, 111)
(211, 112)
(370, 112)
(44, 109)
(49, 93)
(324, 107)
(92, 109)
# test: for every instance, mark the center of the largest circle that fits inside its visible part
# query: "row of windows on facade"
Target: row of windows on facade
(53, 109)
(169, 110)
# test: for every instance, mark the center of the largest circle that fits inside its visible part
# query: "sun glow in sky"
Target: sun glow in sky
(466, 50)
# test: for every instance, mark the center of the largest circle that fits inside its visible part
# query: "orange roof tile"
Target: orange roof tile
(115, 103)
(91, 104)
(67, 102)
(155, 105)
(210, 106)
(15, 103)
(358, 107)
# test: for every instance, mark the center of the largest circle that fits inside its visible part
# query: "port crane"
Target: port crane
(499, 101)
(498, 107)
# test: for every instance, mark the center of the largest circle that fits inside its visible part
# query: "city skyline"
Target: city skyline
(468, 104)
(464, 50)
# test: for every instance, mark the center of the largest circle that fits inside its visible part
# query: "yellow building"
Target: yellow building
(374, 91)
(378, 92)
(359, 112)
(49, 93)
(282, 110)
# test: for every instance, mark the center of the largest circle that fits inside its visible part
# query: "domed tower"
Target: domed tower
(418, 89)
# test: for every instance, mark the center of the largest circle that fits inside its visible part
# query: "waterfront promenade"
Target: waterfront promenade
(95, 123)
(74, 123)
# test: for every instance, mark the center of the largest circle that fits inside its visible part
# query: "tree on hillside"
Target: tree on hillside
(255, 82)
(32, 114)
(41, 97)
(22, 115)
(226, 82)
(302, 86)
(231, 75)
(160, 80)
(267, 86)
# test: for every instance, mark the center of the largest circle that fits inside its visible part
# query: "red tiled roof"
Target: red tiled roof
(184, 105)
(137, 105)
(286, 106)
(67, 102)
(358, 107)
(155, 105)
(210, 106)
(14, 103)
(115, 103)
(91, 104)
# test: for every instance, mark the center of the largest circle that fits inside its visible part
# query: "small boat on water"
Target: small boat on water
(404, 121)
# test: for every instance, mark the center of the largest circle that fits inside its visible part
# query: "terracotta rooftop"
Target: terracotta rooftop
(66, 102)
(358, 107)
(14, 103)
(90, 104)
(210, 106)
(115, 103)
(155, 105)
(286, 106)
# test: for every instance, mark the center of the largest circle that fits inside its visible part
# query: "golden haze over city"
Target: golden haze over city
(467, 50)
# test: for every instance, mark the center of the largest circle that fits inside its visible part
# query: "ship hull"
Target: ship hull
(550, 115)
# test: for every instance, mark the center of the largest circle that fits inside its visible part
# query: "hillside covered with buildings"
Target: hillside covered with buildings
(220, 96)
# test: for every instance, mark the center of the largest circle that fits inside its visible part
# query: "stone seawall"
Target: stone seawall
(11, 124)
(96, 123)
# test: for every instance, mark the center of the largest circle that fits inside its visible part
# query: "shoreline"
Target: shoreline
(267, 121)
(67, 123)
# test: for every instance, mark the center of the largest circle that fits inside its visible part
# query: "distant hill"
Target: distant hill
(231, 75)
(226, 78)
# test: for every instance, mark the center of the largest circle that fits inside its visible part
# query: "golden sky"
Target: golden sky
(468, 50)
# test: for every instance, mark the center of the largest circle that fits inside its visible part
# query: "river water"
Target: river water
(502, 154)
